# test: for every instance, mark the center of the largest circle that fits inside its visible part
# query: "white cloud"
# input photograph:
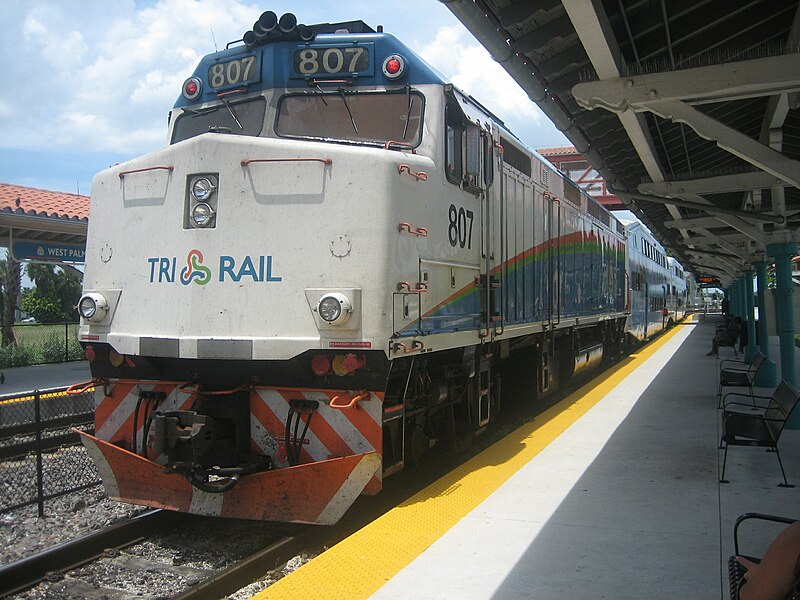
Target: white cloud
(470, 67)
(473, 70)
(99, 76)
(104, 77)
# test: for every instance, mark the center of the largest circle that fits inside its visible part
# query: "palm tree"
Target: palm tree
(10, 284)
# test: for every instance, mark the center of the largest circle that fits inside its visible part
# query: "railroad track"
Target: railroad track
(164, 554)
(50, 564)
(159, 554)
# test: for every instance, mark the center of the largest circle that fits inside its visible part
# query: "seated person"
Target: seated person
(729, 335)
(777, 576)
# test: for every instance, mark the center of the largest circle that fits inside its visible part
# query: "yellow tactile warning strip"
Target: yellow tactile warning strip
(47, 396)
(359, 565)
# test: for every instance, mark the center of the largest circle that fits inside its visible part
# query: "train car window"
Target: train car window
(453, 136)
(367, 117)
(236, 118)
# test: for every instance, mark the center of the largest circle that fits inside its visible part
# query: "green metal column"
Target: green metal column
(735, 299)
(783, 254)
(743, 298)
(750, 315)
(768, 374)
(731, 298)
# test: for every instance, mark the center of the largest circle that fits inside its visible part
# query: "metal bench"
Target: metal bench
(736, 570)
(739, 374)
(725, 341)
(762, 429)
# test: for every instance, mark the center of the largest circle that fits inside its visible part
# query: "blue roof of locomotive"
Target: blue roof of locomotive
(276, 64)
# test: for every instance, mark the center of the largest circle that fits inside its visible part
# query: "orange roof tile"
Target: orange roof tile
(556, 151)
(44, 203)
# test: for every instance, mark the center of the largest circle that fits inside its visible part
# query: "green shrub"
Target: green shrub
(75, 351)
(15, 355)
(38, 343)
(51, 349)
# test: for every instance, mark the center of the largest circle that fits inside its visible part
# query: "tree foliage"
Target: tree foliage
(10, 283)
(56, 293)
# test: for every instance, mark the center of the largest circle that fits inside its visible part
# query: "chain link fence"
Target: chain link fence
(39, 343)
(40, 456)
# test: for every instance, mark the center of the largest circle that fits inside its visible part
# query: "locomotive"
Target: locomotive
(324, 274)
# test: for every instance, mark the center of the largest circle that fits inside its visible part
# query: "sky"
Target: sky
(89, 83)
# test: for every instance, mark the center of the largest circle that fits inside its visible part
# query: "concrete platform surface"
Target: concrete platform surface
(623, 501)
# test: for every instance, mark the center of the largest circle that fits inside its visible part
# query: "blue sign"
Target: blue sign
(54, 252)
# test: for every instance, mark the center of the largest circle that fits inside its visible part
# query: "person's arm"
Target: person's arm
(772, 578)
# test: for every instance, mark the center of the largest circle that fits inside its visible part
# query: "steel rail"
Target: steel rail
(246, 571)
(27, 572)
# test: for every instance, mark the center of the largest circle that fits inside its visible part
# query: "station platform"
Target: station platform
(613, 493)
(17, 380)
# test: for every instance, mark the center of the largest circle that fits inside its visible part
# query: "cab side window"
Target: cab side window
(454, 134)
(467, 153)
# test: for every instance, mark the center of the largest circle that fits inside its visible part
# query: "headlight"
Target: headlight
(334, 308)
(202, 188)
(88, 307)
(202, 201)
(93, 307)
(202, 214)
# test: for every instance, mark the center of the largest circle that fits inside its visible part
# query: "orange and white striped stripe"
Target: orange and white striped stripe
(332, 432)
(113, 413)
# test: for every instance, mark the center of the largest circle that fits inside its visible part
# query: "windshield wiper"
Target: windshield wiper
(347, 106)
(230, 110)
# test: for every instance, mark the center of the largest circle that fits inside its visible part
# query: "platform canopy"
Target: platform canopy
(689, 109)
(44, 225)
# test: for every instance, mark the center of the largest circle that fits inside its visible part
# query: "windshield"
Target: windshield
(239, 118)
(352, 116)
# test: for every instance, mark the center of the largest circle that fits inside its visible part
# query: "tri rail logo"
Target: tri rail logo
(253, 268)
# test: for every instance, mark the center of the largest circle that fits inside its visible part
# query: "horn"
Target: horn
(305, 32)
(287, 22)
(266, 23)
(250, 38)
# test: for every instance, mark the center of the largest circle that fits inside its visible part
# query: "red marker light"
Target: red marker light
(192, 88)
(320, 364)
(394, 66)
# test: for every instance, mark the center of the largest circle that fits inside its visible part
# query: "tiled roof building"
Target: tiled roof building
(32, 201)
(40, 216)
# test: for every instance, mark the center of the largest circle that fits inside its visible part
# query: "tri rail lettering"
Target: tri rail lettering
(229, 268)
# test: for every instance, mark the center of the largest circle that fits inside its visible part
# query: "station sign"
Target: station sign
(708, 281)
(52, 252)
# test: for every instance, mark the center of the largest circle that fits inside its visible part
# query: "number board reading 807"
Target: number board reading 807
(332, 60)
(234, 72)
